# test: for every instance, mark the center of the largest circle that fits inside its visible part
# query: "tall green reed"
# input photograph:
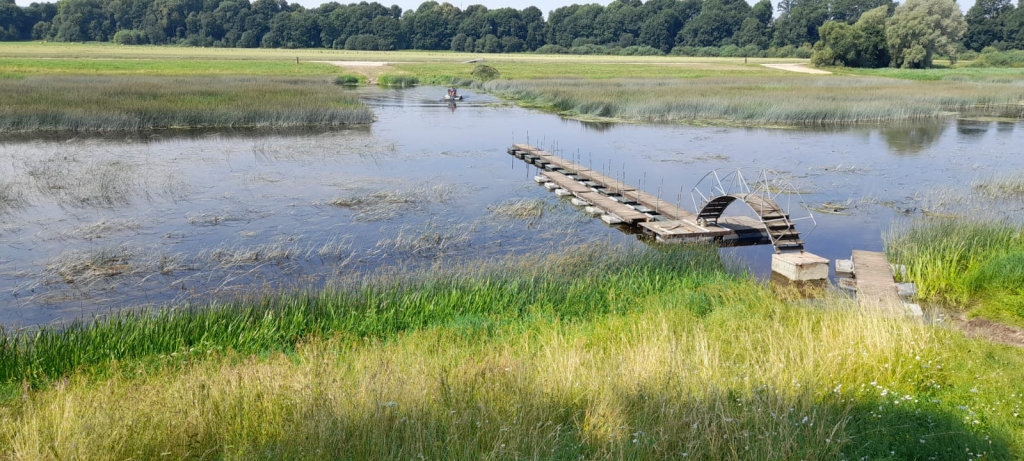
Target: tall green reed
(590, 281)
(952, 261)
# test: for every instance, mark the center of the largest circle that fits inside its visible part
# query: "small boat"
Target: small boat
(449, 97)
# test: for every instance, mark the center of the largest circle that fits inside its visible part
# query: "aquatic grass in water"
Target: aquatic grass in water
(777, 101)
(1001, 187)
(114, 104)
(955, 261)
(398, 80)
(11, 197)
(583, 283)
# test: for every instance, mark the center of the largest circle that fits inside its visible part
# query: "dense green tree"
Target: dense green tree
(859, 45)
(12, 21)
(850, 11)
(798, 23)
(920, 29)
(81, 20)
(1013, 35)
(717, 23)
(569, 23)
(986, 23)
(659, 31)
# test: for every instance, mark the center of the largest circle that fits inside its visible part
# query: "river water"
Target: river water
(91, 225)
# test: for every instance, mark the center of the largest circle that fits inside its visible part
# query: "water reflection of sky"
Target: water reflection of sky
(224, 213)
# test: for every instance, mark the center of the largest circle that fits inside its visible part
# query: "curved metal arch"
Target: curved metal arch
(759, 195)
(775, 220)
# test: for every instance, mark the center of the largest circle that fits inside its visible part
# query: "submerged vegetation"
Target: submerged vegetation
(785, 101)
(107, 104)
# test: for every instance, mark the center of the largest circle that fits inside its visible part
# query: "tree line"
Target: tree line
(850, 32)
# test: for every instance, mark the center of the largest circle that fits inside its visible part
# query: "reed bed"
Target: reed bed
(964, 264)
(398, 80)
(1001, 187)
(129, 104)
(592, 281)
(706, 367)
(765, 101)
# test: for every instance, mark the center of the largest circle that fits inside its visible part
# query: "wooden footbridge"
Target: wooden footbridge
(618, 202)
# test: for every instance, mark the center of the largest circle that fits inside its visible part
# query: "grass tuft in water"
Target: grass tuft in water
(1002, 187)
(398, 80)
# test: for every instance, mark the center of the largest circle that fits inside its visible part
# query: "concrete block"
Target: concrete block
(906, 290)
(610, 219)
(847, 283)
(800, 266)
(844, 266)
(913, 309)
(540, 179)
(562, 192)
(550, 186)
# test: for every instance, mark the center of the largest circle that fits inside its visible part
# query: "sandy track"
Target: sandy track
(356, 63)
(801, 68)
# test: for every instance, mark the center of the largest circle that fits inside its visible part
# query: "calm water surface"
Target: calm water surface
(92, 225)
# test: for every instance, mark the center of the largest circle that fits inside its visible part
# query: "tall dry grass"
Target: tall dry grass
(752, 378)
(114, 103)
(771, 101)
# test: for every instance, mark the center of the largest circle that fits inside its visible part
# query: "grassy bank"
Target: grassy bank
(965, 265)
(593, 282)
(591, 355)
(98, 104)
(775, 101)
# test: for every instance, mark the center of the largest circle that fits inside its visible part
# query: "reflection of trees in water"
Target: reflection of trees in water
(1005, 127)
(972, 128)
(592, 126)
(912, 139)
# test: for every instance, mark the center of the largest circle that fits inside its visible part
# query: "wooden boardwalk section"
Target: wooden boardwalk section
(623, 202)
(876, 285)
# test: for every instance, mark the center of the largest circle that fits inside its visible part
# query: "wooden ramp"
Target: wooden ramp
(875, 283)
(664, 221)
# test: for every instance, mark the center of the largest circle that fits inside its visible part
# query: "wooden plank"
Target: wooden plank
(566, 182)
(875, 283)
(624, 212)
(663, 208)
(677, 229)
(524, 147)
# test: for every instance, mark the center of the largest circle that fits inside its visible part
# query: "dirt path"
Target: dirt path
(801, 68)
(370, 69)
(987, 329)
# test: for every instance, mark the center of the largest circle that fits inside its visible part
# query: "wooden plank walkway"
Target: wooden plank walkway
(665, 221)
(875, 283)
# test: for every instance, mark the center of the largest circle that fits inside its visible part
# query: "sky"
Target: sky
(545, 5)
